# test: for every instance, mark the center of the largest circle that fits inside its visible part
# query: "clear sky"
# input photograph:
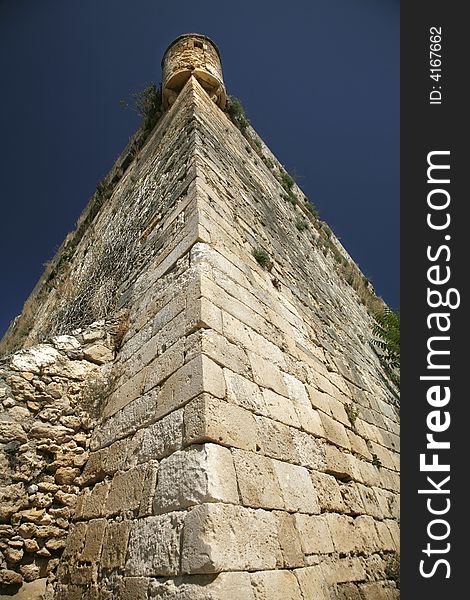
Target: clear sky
(319, 80)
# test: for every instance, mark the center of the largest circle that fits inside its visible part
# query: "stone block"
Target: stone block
(93, 541)
(162, 438)
(154, 546)
(369, 499)
(267, 374)
(296, 390)
(164, 365)
(312, 584)
(378, 590)
(352, 499)
(280, 408)
(328, 492)
(343, 533)
(275, 439)
(222, 586)
(289, 540)
(348, 591)
(335, 432)
(198, 474)
(257, 481)
(310, 420)
(126, 491)
(133, 588)
(319, 400)
(208, 419)
(148, 492)
(342, 570)
(244, 392)
(218, 537)
(366, 528)
(225, 353)
(338, 463)
(115, 545)
(275, 585)
(75, 541)
(297, 489)
(91, 503)
(314, 534)
(309, 452)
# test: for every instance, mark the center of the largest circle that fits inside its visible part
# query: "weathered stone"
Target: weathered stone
(296, 487)
(257, 481)
(125, 493)
(98, 353)
(289, 540)
(275, 585)
(115, 545)
(314, 534)
(154, 546)
(196, 475)
(253, 535)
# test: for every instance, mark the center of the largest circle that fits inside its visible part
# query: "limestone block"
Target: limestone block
(342, 570)
(244, 392)
(126, 491)
(371, 504)
(275, 439)
(352, 499)
(314, 534)
(75, 541)
(198, 474)
(358, 445)
(257, 481)
(343, 533)
(309, 452)
(378, 590)
(335, 432)
(218, 537)
(280, 408)
(310, 420)
(98, 354)
(133, 588)
(289, 540)
(338, 411)
(296, 390)
(148, 492)
(115, 545)
(162, 438)
(311, 582)
(348, 591)
(93, 541)
(394, 529)
(130, 390)
(386, 540)
(164, 365)
(265, 373)
(132, 417)
(328, 492)
(319, 400)
(198, 376)
(275, 585)
(297, 489)
(208, 419)
(219, 349)
(92, 502)
(154, 546)
(365, 526)
(339, 463)
(94, 470)
(222, 586)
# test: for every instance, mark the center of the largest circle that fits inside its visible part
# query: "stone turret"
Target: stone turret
(192, 54)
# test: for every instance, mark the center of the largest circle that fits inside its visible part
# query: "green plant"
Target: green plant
(147, 104)
(312, 209)
(376, 461)
(387, 332)
(261, 257)
(301, 224)
(236, 112)
(286, 181)
(352, 413)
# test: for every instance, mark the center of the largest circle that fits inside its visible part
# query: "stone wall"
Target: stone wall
(49, 395)
(248, 446)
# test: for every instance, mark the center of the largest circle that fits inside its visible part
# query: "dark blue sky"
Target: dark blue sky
(319, 80)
